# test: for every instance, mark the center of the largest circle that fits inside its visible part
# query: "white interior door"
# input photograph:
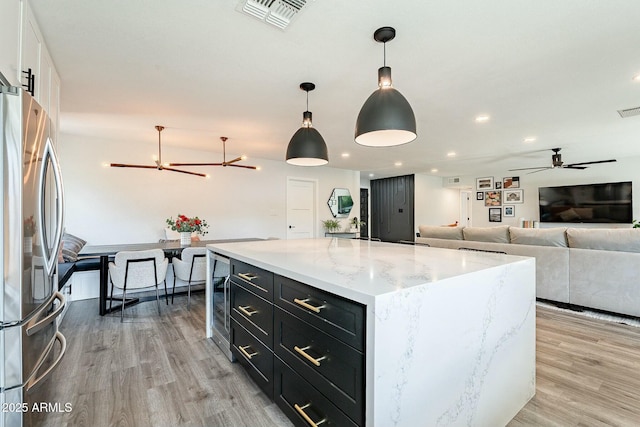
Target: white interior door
(301, 208)
(465, 209)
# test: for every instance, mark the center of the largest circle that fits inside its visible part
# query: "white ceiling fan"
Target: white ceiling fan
(557, 163)
(158, 165)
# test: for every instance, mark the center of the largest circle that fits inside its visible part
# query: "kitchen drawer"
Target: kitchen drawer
(295, 396)
(252, 312)
(339, 317)
(253, 278)
(331, 366)
(254, 356)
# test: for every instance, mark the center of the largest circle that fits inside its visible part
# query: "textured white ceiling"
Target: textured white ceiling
(557, 70)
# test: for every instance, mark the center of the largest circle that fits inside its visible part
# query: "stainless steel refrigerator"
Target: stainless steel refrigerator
(32, 228)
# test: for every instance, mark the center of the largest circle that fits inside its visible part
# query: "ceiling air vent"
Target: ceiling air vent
(629, 112)
(453, 180)
(279, 13)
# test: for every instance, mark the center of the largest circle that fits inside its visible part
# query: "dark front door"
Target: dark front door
(392, 208)
(364, 211)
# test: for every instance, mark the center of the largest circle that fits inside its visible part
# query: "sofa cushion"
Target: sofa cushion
(451, 233)
(71, 245)
(605, 239)
(499, 234)
(539, 236)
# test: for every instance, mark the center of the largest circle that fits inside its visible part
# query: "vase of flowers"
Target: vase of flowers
(186, 226)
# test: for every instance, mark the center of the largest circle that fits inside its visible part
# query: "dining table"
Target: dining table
(171, 249)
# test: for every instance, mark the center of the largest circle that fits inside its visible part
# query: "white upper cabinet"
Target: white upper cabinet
(31, 53)
(10, 20)
(22, 48)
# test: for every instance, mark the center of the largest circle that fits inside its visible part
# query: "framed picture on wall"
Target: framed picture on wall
(493, 198)
(511, 182)
(495, 214)
(498, 185)
(480, 195)
(485, 183)
(509, 210)
(513, 196)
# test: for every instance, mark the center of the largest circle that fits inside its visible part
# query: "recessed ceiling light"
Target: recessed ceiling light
(482, 118)
(451, 154)
(370, 175)
(636, 78)
(345, 154)
(529, 139)
(398, 163)
(434, 170)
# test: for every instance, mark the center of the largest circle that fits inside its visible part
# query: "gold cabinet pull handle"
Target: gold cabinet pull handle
(306, 355)
(244, 351)
(305, 304)
(248, 276)
(247, 310)
(306, 417)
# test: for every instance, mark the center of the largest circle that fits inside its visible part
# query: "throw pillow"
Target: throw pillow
(499, 234)
(539, 236)
(451, 233)
(71, 245)
(605, 239)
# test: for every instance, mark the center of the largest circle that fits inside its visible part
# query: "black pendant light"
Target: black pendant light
(386, 118)
(307, 148)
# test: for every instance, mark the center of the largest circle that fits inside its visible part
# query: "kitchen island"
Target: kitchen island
(446, 337)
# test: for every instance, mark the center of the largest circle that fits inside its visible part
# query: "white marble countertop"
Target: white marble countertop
(358, 269)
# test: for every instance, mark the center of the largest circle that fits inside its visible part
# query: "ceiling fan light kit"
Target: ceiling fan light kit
(386, 119)
(557, 163)
(159, 165)
(307, 147)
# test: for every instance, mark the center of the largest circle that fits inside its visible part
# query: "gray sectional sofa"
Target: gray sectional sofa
(588, 267)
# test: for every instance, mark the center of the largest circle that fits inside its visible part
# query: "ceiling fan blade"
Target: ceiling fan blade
(196, 164)
(187, 172)
(539, 170)
(592, 163)
(243, 166)
(525, 169)
(124, 165)
(574, 167)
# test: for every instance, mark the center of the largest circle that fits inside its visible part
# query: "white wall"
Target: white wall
(107, 205)
(434, 204)
(623, 170)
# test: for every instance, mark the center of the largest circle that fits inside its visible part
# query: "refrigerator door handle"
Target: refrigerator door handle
(35, 325)
(49, 157)
(34, 381)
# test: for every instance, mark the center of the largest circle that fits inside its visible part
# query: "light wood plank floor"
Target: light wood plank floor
(152, 370)
(587, 373)
(161, 371)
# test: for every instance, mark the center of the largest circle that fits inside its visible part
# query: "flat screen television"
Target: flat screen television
(592, 203)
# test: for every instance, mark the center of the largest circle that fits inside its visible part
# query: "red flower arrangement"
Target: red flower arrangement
(184, 224)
